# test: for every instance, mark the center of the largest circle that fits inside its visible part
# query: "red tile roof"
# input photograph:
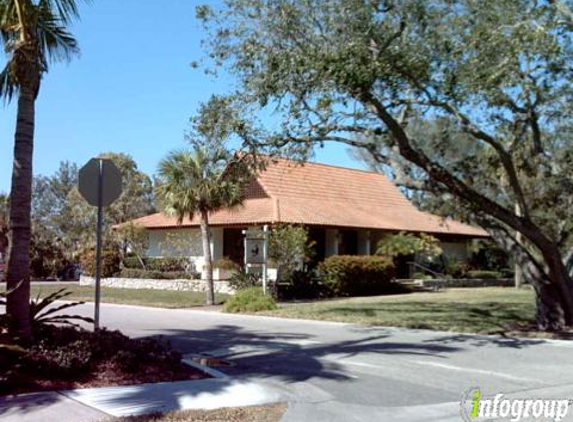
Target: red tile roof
(319, 194)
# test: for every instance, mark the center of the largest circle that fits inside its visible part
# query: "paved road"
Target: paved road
(343, 372)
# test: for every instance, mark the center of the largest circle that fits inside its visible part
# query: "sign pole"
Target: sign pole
(98, 246)
(265, 253)
(99, 182)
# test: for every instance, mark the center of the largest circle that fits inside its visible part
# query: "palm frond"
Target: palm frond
(8, 86)
(66, 10)
(55, 41)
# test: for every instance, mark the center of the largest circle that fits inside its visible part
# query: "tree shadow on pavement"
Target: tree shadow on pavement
(292, 357)
(482, 341)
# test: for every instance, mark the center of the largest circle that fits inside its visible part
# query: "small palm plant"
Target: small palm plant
(199, 182)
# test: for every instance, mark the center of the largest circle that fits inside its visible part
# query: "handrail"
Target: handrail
(426, 269)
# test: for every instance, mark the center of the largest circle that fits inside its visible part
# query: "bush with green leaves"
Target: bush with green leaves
(156, 275)
(156, 264)
(110, 263)
(251, 299)
(289, 249)
(242, 280)
(226, 263)
(350, 275)
(301, 285)
(406, 244)
(42, 312)
(483, 274)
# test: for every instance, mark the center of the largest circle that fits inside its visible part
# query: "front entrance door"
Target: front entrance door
(233, 245)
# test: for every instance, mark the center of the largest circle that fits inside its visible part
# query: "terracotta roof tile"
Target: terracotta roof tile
(319, 194)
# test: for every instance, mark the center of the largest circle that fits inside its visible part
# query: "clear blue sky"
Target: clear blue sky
(132, 89)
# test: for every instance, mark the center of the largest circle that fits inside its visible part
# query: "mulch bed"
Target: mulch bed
(63, 358)
(268, 413)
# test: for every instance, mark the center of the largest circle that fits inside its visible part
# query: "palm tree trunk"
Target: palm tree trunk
(206, 237)
(18, 271)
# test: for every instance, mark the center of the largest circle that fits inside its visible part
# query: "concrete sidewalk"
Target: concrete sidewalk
(96, 404)
(46, 407)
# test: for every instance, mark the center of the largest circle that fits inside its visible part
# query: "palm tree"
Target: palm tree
(200, 182)
(34, 34)
(3, 226)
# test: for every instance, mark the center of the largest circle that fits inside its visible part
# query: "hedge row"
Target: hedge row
(156, 264)
(109, 263)
(154, 275)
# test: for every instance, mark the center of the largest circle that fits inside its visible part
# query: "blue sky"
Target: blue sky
(132, 89)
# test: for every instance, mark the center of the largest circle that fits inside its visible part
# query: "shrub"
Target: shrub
(289, 249)
(251, 299)
(155, 275)
(483, 274)
(109, 263)
(42, 310)
(156, 264)
(242, 280)
(406, 244)
(344, 275)
(226, 263)
(301, 285)
(422, 276)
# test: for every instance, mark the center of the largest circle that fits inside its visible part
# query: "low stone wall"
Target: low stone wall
(467, 282)
(175, 285)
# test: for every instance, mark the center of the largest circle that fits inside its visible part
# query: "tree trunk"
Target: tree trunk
(206, 237)
(551, 305)
(549, 314)
(518, 237)
(18, 271)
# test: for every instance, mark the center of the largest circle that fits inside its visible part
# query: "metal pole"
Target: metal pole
(265, 250)
(98, 246)
(245, 250)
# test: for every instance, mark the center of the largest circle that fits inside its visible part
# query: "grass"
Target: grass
(476, 310)
(143, 297)
(268, 413)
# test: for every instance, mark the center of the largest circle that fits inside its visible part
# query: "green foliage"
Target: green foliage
(289, 248)
(156, 274)
(484, 274)
(193, 182)
(406, 244)
(465, 103)
(346, 275)
(46, 40)
(251, 299)
(110, 263)
(301, 285)
(64, 355)
(136, 201)
(135, 238)
(43, 312)
(422, 276)
(226, 263)
(486, 255)
(165, 264)
(241, 280)
(454, 268)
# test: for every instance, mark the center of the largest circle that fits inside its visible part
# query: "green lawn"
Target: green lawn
(476, 310)
(144, 297)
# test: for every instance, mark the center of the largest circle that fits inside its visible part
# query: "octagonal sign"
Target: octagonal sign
(96, 171)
